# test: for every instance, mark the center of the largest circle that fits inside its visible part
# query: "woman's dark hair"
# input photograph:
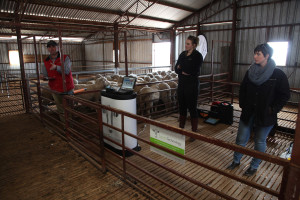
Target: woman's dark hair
(265, 49)
(195, 40)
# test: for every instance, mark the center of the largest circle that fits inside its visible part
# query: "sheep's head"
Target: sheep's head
(163, 73)
(153, 80)
(158, 77)
(99, 76)
(147, 78)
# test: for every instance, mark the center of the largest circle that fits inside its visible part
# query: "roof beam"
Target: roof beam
(173, 5)
(138, 14)
(33, 18)
(199, 11)
(93, 9)
(88, 25)
(51, 27)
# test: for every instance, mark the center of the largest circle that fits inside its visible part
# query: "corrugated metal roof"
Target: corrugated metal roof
(165, 12)
(190, 3)
(149, 23)
(157, 10)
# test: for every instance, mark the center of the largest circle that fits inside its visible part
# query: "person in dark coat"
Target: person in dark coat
(263, 93)
(188, 69)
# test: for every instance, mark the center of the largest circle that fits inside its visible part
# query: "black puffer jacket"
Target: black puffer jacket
(265, 100)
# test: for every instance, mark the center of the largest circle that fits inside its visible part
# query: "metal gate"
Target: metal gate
(11, 94)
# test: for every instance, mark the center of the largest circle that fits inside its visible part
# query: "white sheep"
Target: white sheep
(150, 75)
(147, 78)
(91, 82)
(158, 77)
(109, 78)
(139, 79)
(153, 80)
(100, 84)
(75, 81)
(173, 85)
(174, 75)
(115, 76)
(133, 75)
(120, 79)
(99, 76)
(145, 100)
(138, 87)
(165, 95)
(167, 77)
(163, 73)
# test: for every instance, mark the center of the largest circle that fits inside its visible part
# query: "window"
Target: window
(161, 54)
(280, 50)
(14, 58)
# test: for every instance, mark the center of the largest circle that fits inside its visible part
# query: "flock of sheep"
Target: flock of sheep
(153, 89)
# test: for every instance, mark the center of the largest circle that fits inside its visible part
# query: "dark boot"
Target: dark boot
(194, 122)
(182, 120)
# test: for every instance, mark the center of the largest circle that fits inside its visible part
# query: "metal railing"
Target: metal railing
(89, 145)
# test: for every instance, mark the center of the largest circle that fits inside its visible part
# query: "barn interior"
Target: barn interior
(104, 145)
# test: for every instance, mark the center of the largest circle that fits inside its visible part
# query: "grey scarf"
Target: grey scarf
(258, 75)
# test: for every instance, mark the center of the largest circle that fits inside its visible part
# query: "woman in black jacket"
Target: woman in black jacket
(263, 92)
(188, 69)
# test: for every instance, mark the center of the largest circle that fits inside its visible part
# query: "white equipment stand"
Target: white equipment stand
(125, 102)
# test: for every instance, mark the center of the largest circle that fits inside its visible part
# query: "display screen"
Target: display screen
(128, 82)
(211, 120)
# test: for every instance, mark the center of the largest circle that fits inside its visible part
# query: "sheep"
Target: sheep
(99, 76)
(100, 84)
(147, 78)
(150, 75)
(167, 77)
(146, 96)
(141, 76)
(109, 78)
(138, 87)
(155, 73)
(153, 80)
(133, 75)
(173, 85)
(120, 79)
(140, 80)
(158, 77)
(156, 96)
(115, 76)
(75, 81)
(163, 73)
(91, 82)
(174, 75)
(113, 83)
(165, 95)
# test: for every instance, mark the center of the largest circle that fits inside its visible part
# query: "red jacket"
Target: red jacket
(57, 82)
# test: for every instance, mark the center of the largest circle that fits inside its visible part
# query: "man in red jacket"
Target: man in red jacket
(52, 71)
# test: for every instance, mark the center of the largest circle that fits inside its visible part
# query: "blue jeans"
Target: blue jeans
(260, 138)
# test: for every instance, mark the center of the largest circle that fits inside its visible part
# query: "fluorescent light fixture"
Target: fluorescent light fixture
(205, 24)
(15, 37)
(68, 39)
(216, 23)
